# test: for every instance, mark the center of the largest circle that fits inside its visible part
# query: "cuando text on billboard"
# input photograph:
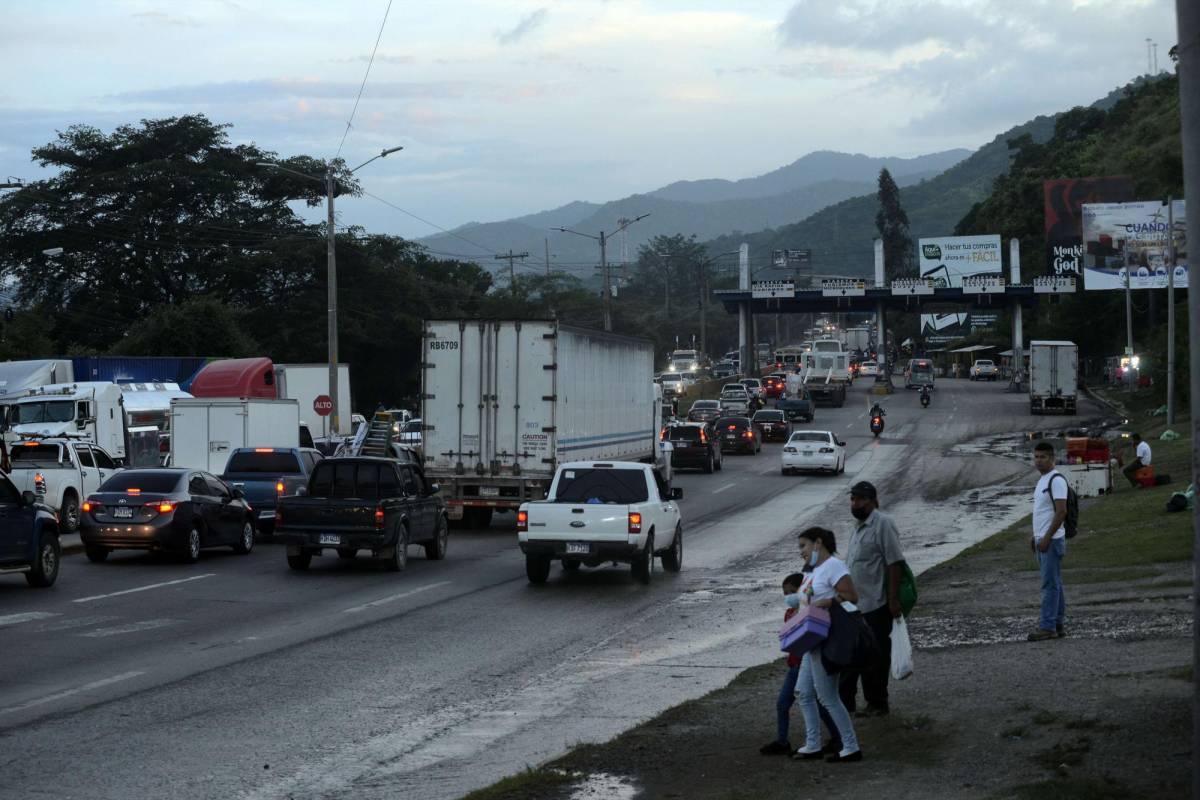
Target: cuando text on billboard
(1133, 237)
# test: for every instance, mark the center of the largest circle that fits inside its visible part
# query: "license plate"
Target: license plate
(808, 452)
(680, 445)
(330, 538)
(123, 513)
(581, 548)
(489, 491)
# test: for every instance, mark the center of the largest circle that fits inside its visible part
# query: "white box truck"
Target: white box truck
(503, 402)
(304, 383)
(1053, 377)
(205, 430)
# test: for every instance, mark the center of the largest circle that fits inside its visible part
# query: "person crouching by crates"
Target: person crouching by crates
(1141, 458)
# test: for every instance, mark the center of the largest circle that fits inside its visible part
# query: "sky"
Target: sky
(507, 108)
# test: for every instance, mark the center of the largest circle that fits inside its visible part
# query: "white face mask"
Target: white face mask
(814, 558)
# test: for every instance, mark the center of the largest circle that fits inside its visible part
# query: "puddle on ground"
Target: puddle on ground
(1020, 445)
(602, 786)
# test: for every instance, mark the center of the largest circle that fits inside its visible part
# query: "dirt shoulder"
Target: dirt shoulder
(1102, 713)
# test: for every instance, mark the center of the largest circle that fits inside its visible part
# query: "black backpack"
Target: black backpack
(1072, 521)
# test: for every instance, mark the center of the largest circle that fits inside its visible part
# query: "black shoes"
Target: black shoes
(831, 748)
(872, 711)
(838, 758)
(813, 756)
(776, 749)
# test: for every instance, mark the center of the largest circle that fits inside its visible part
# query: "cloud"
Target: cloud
(163, 18)
(528, 23)
(887, 26)
(293, 88)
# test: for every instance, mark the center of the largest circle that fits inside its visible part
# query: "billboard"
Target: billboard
(948, 259)
(1064, 201)
(1133, 235)
(945, 328)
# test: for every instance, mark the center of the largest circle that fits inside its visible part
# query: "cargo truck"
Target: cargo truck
(827, 372)
(1053, 377)
(205, 430)
(503, 402)
(304, 383)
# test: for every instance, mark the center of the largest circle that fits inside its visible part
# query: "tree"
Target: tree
(202, 326)
(150, 215)
(892, 225)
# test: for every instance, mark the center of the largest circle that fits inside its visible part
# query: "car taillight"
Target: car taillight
(522, 520)
(87, 506)
(703, 436)
(279, 487)
(635, 522)
(749, 434)
(826, 450)
(379, 517)
(662, 436)
(39, 483)
(166, 507)
(790, 450)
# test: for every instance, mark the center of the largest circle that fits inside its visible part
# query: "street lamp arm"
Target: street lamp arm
(282, 168)
(630, 222)
(577, 233)
(382, 154)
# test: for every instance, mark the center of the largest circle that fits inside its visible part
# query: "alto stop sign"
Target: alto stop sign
(323, 405)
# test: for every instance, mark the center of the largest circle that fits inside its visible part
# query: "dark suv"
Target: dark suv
(738, 434)
(772, 425)
(693, 446)
(28, 536)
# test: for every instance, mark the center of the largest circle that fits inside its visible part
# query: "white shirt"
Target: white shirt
(1143, 452)
(821, 583)
(1043, 503)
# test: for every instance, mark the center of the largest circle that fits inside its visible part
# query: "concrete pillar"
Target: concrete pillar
(1017, 382)
(883, 378)
(745, 346)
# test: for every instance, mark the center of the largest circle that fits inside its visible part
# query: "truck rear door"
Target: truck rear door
(489, 397)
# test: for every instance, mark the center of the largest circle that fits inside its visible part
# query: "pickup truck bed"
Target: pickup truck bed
(264, 474)
(354, 504)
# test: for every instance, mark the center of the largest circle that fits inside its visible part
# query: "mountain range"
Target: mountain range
(705, 209)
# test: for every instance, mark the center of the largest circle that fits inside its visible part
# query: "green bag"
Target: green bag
(908, 589)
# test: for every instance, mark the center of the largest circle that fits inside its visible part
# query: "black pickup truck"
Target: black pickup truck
(28, 536)
(353, 504)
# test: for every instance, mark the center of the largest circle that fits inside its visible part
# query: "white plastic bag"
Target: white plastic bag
(902, 661)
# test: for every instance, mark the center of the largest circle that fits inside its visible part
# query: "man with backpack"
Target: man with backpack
(1051, 500)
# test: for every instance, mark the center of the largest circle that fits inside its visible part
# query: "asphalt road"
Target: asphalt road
(144, 677)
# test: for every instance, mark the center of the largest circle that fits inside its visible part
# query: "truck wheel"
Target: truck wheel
(245, 542)
(95, 553)
(643, 563)
(537, 568)
(191, 552)
(672, 560)
(399, 558)
(435, 550)
(69, 513)
(44, 569)
(300, 561)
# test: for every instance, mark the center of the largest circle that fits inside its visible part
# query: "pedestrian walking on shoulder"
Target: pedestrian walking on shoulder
(1049, 542)
(828, 583)
(1141, 458)
(782, 745)
(876, 564)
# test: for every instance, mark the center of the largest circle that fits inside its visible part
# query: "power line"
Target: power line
(364, 80)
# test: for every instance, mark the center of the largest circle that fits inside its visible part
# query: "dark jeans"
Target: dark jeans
(783, 707)
(1130, 468)
(875, 679)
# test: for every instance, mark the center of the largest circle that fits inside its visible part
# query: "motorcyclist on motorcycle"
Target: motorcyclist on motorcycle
(877, 410)
(925, 396)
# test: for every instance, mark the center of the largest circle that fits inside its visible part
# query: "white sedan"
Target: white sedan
(814, 450)
(868, 369)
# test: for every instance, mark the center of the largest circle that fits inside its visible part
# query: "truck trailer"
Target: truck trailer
(1053, 377)
(503, 402)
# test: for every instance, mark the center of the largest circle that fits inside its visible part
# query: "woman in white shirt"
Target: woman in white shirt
(829, 582)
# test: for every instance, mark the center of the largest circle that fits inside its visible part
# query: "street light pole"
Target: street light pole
(606, 294)
(331, 270)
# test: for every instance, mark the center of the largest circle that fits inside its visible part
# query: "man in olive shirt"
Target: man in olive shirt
(875, 561)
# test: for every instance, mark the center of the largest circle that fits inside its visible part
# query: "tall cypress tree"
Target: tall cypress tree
(892, 224)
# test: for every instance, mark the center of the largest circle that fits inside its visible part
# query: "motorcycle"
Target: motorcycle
(925, 398)
(876, 424)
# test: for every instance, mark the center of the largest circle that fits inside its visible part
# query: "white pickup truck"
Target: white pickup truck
(602, 511)
(61, 472)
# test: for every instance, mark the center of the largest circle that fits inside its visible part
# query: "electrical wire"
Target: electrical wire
(364, 80)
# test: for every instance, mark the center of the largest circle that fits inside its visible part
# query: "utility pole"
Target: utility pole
(1187, 15)
(511, 258)
(1171, 310)
(606, 294)
(546, 241)
(1128, 320)
(331, 268)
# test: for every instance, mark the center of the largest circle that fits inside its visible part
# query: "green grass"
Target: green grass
(530, 780)
(1077, 576)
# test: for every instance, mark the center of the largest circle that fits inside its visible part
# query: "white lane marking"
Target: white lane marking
(723, 488)
(28, 616)
(382, 600)
(143, 588)
(87, 687)
(133, 627)
(851, 425)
